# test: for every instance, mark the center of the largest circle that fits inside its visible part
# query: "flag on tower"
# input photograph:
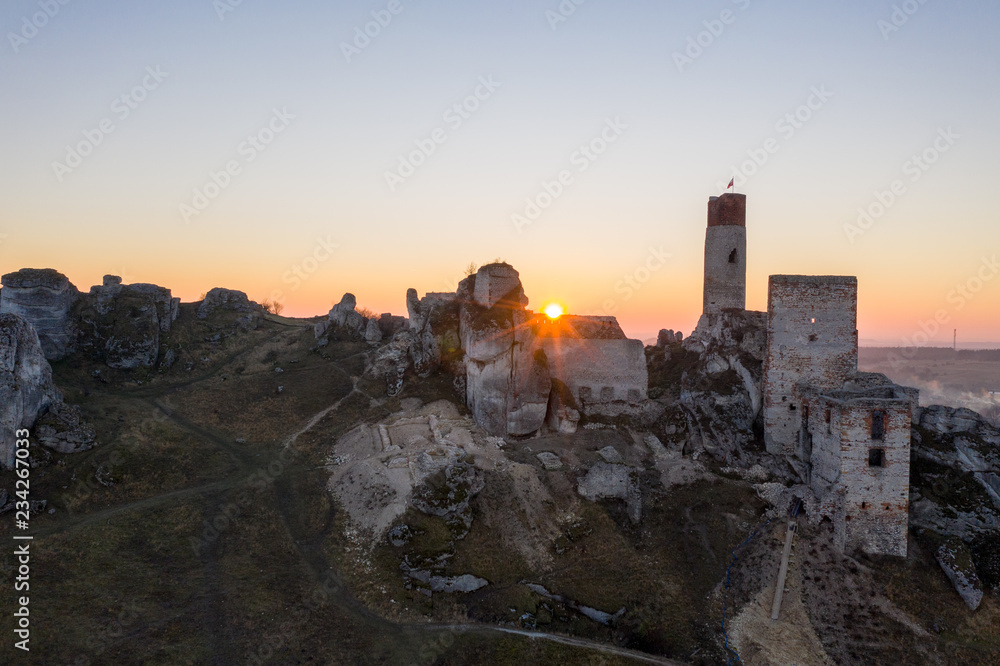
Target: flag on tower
(731, 181)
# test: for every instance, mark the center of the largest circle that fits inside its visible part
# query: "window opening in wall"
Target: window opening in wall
(864, 505)
(812, 320)
(876, 457)
(878, 424)
(732, 257)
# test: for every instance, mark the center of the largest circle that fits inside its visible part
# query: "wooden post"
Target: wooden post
(783, 571)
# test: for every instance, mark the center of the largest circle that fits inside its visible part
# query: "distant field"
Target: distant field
(966, 378)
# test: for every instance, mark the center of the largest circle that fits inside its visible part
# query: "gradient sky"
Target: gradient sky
(322, 179)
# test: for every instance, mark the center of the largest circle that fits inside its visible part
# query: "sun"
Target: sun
(553, 310)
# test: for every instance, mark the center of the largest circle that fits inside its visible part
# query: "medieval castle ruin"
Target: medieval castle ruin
(846, 433)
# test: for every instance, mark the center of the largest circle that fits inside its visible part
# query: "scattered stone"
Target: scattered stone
(549, 460)
(655, 446)
(611, 455)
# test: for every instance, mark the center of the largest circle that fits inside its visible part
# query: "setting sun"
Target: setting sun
(553, 310)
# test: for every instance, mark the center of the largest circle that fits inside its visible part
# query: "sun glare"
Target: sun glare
(553, 310)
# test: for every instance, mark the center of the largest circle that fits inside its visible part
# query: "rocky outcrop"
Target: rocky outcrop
(247, 313)
(391, 362)
(26, 388)
(668, 336)
(963, 440)
(434, 330)
(63, 429)
(954, 502)
(507, 375)
(345, 316)
(121, 324)
(721, 389)
(44, 298)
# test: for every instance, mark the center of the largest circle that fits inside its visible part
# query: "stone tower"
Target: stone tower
(812, 337)
(726, 254)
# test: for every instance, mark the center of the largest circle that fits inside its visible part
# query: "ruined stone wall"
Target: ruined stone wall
(598, 371)
(725, 254)
(824, 431)
(873, 513)
(812, 338)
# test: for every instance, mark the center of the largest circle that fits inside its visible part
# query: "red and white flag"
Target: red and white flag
(731, 181)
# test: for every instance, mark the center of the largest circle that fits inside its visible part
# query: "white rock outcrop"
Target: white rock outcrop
(26, 387)
(44, 298)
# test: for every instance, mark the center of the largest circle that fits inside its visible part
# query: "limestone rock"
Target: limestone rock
(122, 324)
(231, 300)
(26, 388)
(496, 282)
(434, 327)
(549, 460)
(62, 429)
(955, 559)
(392, 361)
(610, 455)
(667, 337)
(44, 298)
(607, 481)
(373, 333)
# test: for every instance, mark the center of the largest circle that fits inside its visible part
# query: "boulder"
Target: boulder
(956, 561)
(44, 298)
(610, 481)
(26, 387)
(230, 300)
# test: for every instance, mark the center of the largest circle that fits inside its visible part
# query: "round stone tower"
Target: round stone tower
(726, 254)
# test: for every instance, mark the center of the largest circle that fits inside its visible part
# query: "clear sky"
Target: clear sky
(672, 98)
